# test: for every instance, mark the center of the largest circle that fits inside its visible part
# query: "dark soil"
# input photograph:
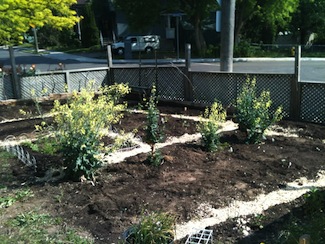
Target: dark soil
(188, 176)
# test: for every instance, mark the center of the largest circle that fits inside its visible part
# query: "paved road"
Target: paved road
(311, 69)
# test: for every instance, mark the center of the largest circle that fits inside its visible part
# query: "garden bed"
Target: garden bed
(189, 183)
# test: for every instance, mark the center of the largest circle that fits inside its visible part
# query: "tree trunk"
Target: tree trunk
(14, 76)
(199, 38)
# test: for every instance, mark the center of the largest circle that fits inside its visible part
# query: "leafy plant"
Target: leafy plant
(7, 201)
(46, 145)
(153, 131)
(253, 112)
(123, 140)
(209, 125)
(153, 228)
(81, 123)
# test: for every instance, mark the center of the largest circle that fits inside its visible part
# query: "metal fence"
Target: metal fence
(300, 100)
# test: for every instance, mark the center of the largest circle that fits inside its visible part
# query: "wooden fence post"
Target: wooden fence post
(110, 72)
(188, 87)
(295, 101)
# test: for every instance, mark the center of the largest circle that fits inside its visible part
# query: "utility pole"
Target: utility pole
(227, 35)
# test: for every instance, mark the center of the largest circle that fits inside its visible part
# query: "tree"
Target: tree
(144, 13)
(17, 16)
(263, 18)
(50, 37)
(89, 30)
(197, 11)
(105, 17)
(140, 14)
(309, 18)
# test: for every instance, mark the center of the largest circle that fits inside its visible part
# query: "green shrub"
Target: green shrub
(153, 228)
(244, 49)
(253, 112)
(80, 126)
(210, 124)
(153, 130)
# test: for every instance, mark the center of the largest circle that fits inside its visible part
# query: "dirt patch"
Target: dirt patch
(188, 177)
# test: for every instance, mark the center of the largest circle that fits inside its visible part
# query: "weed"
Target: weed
(311, 220)
(34, 227)
(253, 112)
(209, 125)
(258, 220)
(5, 161)
(59, 197)
(46, 145)
(123, 140)
(153, 228)
(7, 201)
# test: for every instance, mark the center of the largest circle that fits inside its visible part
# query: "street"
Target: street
(311, 69)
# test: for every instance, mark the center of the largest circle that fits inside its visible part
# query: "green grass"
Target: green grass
(6, 200)
(6, 158)
(21, 226)
(34, 227)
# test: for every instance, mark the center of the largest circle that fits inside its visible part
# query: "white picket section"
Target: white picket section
(20, 152)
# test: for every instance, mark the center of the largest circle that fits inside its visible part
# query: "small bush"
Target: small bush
(81, 124)
(244, 49)
(153, 130)
(210, 124)
(153, 228)
(253, 112)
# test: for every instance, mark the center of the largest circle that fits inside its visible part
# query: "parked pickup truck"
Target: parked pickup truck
(146, 44)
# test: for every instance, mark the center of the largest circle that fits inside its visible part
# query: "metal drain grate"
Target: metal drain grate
(200, 236)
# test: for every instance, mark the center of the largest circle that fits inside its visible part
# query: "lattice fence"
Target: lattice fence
(313, 102)
(80, 79)
(225, 87)
(42, 85)
(6, 88)
(170, 83)
(169, 80)
(178, 84)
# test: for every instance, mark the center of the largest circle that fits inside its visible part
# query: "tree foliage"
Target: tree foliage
(105, 16)
(17, 16)
(141, 14)
(309, 18)
(89, 30)
(262, 19)
(197, 11)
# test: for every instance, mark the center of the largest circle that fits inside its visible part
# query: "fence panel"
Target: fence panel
(79, 79)
(6, 88)
(313, 102)
(41, 85)
(169, 79)
(132, 76)
(208, 87)
(171, 83)
(225, 87)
